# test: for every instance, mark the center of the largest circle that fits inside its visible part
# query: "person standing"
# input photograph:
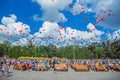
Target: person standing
(6, 69)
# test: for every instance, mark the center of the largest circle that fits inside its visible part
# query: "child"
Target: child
(33, 66)
(6, 69)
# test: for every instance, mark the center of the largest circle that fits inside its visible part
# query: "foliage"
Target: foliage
(93, 51)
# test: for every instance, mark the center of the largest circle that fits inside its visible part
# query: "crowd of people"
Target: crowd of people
(5, 66)
(8, 65)
(92, 64)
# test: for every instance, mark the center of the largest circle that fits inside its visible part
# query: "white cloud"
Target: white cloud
(96, 6)
(52, 9)
(36, 17)
(90, 26)
(9, 20)
(81, 6)
(21, 42)
(12, 30)
(110, 21)
(49, 33)
(53, 33)
(113, 36)
(77, 9)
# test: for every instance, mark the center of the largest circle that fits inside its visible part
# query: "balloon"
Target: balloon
(7, 32)
(20, 31)
(81, 4)
(109, 14)
(68, 5)
(51, 20)
(110, 10)
(102, 18)
(48, 37)
(113, 14)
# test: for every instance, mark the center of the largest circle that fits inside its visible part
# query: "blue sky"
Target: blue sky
(75, 14)
(23, 9)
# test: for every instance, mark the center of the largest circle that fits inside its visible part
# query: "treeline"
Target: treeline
(93, 51)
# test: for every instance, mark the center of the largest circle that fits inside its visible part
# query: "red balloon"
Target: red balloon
(7, 32)
(51, 20)
(102, 18)
(113, 14)
(68, 5)
(48, 37)
(61, 18)
(81, 4)
(43, 29)
(109, 14)
(110, 10)
(20, 31)
(96, 17)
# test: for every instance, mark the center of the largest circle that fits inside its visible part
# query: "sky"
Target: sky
(59, 22)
